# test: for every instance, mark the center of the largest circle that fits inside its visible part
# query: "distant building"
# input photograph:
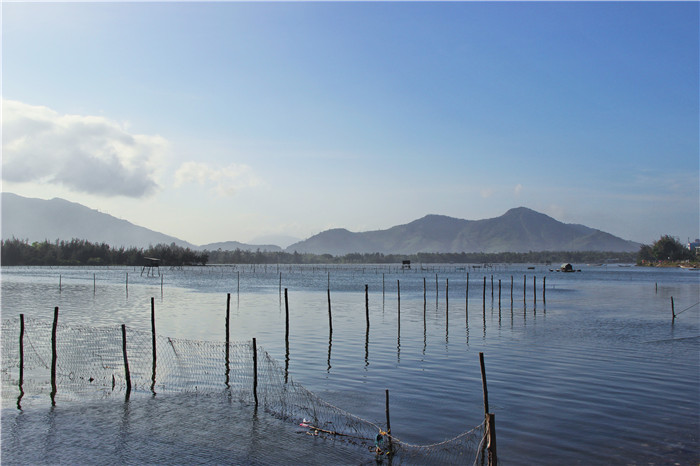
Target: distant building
(694, 246)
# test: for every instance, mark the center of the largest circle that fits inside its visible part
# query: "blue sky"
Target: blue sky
(231, 121)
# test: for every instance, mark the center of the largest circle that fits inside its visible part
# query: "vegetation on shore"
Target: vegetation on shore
(81, 252)
(666, 252)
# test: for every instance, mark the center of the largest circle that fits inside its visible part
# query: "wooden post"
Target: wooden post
(388, 423)
(228, 336)
(286, 313)
(447, 294)
(466, 296)
(398, 292)
(491, 286)
(153, 335)
(59, 282)
(161, 283)
(424, 293)
(127, 283)
(544, 287)
(524, 287)
(491, 442)
(499, 293)
(255, 371)
(127, 375)
(94, 283)
(54, 356)
(21, 354)
(534, 289)
(483, 383)
(367, 304)
(484, 299)
(673, 310)
(330, 316)
(511, 290)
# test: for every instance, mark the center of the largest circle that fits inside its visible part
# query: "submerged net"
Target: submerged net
(90, 364)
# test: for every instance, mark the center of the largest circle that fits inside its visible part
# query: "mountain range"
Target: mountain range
(518, 230)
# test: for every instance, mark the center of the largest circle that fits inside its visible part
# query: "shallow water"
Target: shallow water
(595, 373)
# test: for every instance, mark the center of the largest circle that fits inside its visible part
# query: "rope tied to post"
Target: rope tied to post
(687, 308)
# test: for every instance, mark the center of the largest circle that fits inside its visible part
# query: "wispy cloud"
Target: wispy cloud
(89, 154)
(225, 181)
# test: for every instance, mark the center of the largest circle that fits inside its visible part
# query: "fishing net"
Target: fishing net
(90, 364)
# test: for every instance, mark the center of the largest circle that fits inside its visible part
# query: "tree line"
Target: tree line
(83, 252)
(665, 249)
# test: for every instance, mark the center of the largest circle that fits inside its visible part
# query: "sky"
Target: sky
(232, 121)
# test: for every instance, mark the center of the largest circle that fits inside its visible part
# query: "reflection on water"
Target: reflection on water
(579, 371)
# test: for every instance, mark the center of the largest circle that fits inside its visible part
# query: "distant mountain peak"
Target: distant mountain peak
(520, 229)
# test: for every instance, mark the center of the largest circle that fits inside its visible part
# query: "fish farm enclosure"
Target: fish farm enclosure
(354, 364)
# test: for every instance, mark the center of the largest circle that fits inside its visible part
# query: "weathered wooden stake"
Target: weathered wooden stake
(255, 371)
(524, 287)
(511, 290)
(228, 336)
(286, 313)
(484, 299)
(447, 293)
(21, 355)
(492, 287)
(330, 316)
(388, 423)
(483, 383)
(54, 356)
(367, 305)
(534, 289)
(59, 283)
(153, 335)
(127, 283)
(491, 444)
(127, 375)
(398, 292)
(466, 296)
(94, 283)
(544, 288)
(499, 293)
(673, 310)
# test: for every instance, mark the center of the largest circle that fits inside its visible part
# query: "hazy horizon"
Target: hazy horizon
(234, 121)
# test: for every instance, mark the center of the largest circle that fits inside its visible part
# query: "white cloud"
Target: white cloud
(518, 189)
(89, 154)
(224, 181)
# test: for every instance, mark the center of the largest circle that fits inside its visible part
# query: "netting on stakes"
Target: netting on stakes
(90, 364)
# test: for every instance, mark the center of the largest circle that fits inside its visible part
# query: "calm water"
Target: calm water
(598, 373)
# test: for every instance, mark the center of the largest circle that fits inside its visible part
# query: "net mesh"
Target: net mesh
(90, 364)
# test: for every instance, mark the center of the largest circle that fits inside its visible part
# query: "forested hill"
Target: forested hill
(518, 230)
